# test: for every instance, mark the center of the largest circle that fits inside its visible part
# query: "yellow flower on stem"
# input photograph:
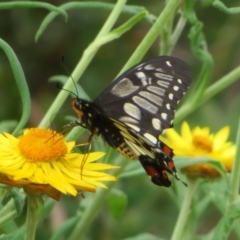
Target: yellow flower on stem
(42, 161)
(201, 143)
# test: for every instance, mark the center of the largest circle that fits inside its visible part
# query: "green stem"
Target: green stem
(34, 207)
(165, 36)
(94, 205)
(177, 31)
(152, 34)
(21, 84)
(235, 176)
(36, 4)
(220, 85)
(210, 92)
(170, 37)
(83, 63)
(185, 210)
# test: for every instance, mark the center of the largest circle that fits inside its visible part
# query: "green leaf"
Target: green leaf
(94, 5)
(19, 200)
(62, 79)
(117, 202)
(224, 226)
(29, 4)
(13, 207)
(220, 5)
(118, 32)
(200, 49)
(21, 84)
(216, 192)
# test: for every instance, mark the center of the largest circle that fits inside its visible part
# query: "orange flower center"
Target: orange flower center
(202, 143)
(40, 144)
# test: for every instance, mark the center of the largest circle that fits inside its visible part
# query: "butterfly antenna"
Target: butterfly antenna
(61, 88)
(174, 174)
(69, 74)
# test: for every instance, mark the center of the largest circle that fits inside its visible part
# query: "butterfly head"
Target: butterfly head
(87, 113)
(79, 107)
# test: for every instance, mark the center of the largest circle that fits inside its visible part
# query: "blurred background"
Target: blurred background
(42, 60)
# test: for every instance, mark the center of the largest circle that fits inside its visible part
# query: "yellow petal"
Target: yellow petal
(221, 137)
(186, 132)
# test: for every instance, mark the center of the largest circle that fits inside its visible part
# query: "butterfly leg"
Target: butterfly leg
(86, 152)
(71, 125)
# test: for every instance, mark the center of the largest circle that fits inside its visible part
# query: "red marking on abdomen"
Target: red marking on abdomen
(167, 150)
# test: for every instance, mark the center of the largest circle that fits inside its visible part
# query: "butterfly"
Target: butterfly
(135, 109)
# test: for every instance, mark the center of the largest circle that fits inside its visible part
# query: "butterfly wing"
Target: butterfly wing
(146, 96)
(135, 109)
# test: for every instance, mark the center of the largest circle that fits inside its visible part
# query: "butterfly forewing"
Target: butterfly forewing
(146, 96)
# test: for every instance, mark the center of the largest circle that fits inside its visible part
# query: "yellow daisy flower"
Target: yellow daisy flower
(201, 143)
(41, 161)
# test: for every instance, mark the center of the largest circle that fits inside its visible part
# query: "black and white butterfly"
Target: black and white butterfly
(135, 109)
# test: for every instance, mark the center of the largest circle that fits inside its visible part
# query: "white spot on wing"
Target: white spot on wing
(163, 83)
(123, 88)
(170, 95)
(140, 75)
(152, 97)
(158, 150)
(136, 128)
(160, 69)
(175, 88)
(168, 63)
(164, 76)
(150, 137)
(132, 110)
(127, 119)
(144, 81)
(156, 123)
(149, 67)
(159, 91)
(164, 116)
(145, 104)
(168, 106)
(180, 81)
